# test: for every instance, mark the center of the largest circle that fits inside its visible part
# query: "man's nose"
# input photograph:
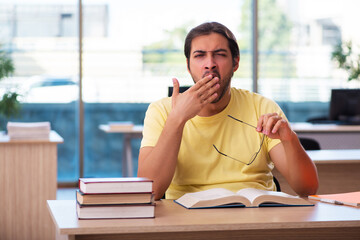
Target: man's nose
(210, 63)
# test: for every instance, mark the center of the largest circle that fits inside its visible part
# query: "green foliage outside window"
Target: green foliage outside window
(274, 28)
(9, 104)
(274, 39)
(346, 59)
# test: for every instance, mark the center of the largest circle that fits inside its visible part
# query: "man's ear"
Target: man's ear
(236, 63)
(188, 65)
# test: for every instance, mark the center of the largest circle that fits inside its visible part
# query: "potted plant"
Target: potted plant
(9, 104)
(347, 59)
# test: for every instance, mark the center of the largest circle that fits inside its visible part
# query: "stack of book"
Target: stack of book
(120, 125)
(99, 198)
(28, 130)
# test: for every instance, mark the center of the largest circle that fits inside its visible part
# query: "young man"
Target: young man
(213, 135)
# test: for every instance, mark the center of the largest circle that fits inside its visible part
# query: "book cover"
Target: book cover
(248, 197)
(349, 198)
(115, 211)
(115, 185)
(110, 198)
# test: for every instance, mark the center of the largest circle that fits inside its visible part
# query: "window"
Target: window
(134, 62)
(132, 49)
(296, 41)
(41, 38)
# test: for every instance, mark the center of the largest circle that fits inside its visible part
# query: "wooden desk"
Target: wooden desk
(330, 136)
(323, 221)
(28, 177)
(136, 132)
(338, 171)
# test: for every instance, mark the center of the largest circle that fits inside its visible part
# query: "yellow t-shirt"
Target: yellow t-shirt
(199, 165)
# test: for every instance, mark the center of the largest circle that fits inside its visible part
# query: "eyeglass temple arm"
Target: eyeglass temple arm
(241, 121)
(219, 151)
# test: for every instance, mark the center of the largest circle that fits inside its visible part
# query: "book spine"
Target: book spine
(79, 185)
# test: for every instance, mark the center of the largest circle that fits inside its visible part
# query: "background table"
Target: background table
(323, 221)
(28, 177)
(338, 171)
(129, 134)
(330, 136)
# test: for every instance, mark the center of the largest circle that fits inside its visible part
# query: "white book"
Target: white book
(28, 130)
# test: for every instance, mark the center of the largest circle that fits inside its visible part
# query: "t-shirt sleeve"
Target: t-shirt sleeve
(154, 122)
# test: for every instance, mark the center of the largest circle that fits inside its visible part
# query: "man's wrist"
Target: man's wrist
(290, 138)
(177, 121)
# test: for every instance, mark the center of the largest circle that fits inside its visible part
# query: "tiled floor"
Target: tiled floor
(66, 194)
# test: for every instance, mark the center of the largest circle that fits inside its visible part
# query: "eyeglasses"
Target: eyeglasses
(253, 157)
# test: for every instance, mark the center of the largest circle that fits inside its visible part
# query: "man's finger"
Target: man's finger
(202, 82)
(176, 87)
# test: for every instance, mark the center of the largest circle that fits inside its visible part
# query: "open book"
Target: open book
(247, 197)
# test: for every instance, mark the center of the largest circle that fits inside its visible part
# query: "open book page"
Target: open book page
(211, 198)
(249, 197)
(257, 197)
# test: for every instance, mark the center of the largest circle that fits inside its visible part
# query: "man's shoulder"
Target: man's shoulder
(243, 93)
(245, 98)
(162, 101)
(163, 104)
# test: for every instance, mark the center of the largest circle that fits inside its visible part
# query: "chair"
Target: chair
(181, 90)
(319, 119)
(277, 184)
(309, 143)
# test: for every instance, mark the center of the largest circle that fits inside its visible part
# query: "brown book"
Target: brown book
(115, 185)
(115, 211)
(113, 198)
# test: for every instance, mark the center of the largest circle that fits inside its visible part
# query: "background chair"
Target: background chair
(181, 89)
(309, 143)
(277, 184)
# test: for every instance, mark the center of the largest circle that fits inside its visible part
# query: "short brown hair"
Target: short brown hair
(206, 29)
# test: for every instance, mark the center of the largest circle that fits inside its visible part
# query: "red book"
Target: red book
(115, 185)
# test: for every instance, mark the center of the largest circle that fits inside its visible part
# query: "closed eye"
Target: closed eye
(221, 52)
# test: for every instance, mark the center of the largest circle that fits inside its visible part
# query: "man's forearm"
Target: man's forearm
(159, 163)
(301, 171)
